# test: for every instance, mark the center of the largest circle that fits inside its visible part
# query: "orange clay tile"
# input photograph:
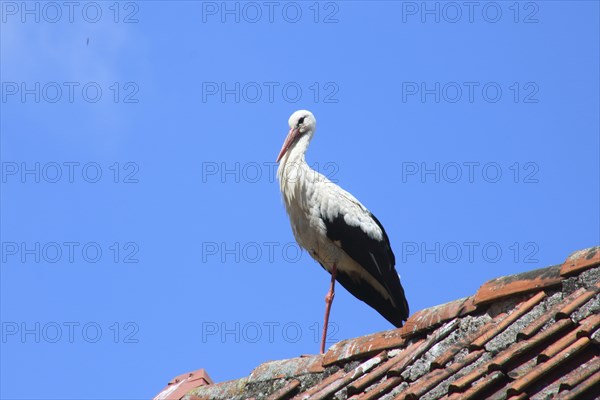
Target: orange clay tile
(446, 356)
(581, 260)
(512, 317)
(557, 346)
(515, 284)
(545, 368)
(580, 300)
(363, 382)
(536, 325)
(357, 372)
(434, 338)
(504, 357)
(183, 383)
(286, 368)
(522, 396)
(586, 386)
(465, 381)
(580, 374)
(510, 354)
(475, 391)
(430, 317)
(431, 380)
(381, 388)
(363, 346)
(588, 325)
(330, 379)
(285, 391)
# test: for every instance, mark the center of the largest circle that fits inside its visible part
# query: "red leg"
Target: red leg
(328, 301)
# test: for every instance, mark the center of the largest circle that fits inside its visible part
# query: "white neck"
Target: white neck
(295, 153)
(293, 169)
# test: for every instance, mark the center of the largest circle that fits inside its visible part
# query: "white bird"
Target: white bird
(337, 230)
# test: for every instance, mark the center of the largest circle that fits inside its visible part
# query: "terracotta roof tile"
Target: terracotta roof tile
(593, 381)
(285, 391)
(361, 383)
(549, 314)
(589, 325)
(425, 319)
(363, 346)
(315, 389)
(183, 383)
(558, 346)
(581, 260)
(533, 335)
(580, 374)
(452, 350)
(382, 388)
(536, 373)
(482, 385)
(578, 301)
(511, 353)
(503, 324)
(517, 284)
(438, 335)
(464, 382)
(349, 377)
(522, 396)
(429, 381)
(287, 368)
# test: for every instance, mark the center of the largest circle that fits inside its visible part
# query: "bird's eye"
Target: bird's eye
(301, 121)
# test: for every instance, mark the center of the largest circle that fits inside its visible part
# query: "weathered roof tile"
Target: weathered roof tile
(285, 391)
(581, 260)
(504, 323)
(358, 385)
(363, 346)
(593, 381)
(573, 305)
(326, 382)
(578, 375)
(349, 377)
(518, 284)
(183, 383)
(528, 379)
(482, 385)
(425, 319)
(289, 368)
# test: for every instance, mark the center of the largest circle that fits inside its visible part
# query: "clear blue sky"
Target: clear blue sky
(143, 233)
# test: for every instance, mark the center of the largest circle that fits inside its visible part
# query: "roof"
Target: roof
(531, 335)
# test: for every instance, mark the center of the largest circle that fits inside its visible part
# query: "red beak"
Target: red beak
(292, 134)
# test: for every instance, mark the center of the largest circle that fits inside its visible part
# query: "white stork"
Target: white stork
(337, 230)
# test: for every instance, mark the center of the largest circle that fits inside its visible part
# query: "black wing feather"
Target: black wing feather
(377, 258)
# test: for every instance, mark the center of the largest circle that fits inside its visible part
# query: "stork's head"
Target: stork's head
(302, 124)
